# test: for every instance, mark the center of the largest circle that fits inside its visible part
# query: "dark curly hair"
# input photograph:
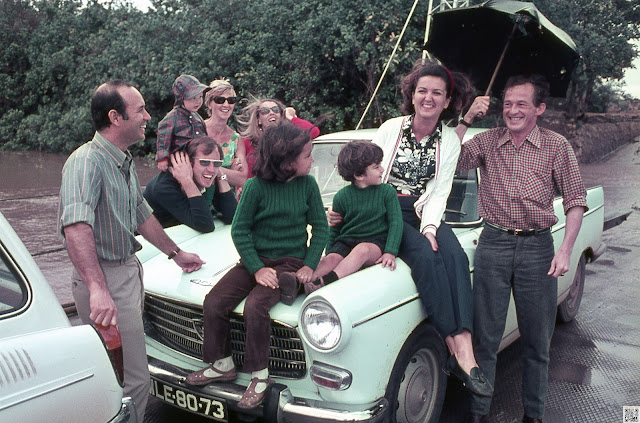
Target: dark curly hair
(356, 156)
(459, 88)
(278, 148)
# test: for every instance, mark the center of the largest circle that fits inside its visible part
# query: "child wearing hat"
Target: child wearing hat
(183, 122)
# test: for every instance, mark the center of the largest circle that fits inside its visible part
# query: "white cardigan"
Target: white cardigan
(431, 204)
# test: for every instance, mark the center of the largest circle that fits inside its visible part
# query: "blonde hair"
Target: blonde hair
(217, 87)
(248, 119)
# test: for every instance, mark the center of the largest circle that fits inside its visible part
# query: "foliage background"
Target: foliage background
(315, 55)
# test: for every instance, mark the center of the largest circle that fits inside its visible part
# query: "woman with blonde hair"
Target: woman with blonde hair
(220, 102)
(263, 113)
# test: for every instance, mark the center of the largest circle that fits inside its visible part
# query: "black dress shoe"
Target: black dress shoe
(475, 382)
(476, 418)
(527, 419)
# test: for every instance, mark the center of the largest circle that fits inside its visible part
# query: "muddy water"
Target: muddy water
(29, 187)
(30, 181)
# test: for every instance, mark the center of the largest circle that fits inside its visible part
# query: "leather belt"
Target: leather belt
(518, 232)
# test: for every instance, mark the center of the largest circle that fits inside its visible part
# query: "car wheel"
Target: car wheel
(418, 384)
(568, 309)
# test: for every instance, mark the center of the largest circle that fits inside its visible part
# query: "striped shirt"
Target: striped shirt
(100, 187)
(518, 185)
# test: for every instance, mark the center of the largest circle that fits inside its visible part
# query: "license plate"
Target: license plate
(204, 405)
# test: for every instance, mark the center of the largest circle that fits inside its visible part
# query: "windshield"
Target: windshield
(462, 205)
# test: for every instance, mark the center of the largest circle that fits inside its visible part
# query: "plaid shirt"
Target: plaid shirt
(518, 185)
(177, 128)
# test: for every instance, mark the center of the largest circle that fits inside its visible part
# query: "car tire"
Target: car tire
(568, 309)
(418, 384)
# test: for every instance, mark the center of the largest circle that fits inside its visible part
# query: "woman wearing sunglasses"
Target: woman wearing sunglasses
(220, 101)
(261, 114)
(176, 196)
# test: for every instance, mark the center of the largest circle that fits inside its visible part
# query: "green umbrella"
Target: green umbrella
(499, 38)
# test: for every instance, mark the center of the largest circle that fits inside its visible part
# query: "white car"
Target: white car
(51, 371)
(359, 350)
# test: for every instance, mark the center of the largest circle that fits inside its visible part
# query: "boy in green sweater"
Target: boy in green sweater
(371, 228)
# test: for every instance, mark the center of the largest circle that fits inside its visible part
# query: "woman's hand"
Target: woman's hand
(333, 217)
(163, 165)
(236, 164)
(304, 274)
(478, 108)
(268, 277)
(290, 113)
(432, 240)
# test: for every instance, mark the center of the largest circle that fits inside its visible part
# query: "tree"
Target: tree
(601, 29)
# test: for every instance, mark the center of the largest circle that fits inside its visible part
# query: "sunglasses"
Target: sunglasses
(207, 162)
(220, 99)
(266, 110)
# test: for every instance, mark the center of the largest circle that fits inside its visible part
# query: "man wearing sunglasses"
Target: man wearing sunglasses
(176, 196)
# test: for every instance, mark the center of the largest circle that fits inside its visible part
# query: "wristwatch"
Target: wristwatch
(223, 177)
(174, 253)
(461, 121)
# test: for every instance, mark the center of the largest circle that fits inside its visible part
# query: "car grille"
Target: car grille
(179, 326)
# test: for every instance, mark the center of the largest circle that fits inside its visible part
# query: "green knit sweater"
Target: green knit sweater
(271, 221)
(371, 212)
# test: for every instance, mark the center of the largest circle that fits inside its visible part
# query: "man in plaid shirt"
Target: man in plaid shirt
(521, 166)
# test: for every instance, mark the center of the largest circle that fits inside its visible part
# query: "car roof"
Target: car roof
(368, 134)
(360, 134)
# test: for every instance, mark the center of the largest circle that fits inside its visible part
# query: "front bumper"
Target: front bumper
(127, 413)
(280, 406)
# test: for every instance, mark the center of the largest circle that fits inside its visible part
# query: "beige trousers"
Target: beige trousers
(124, 281)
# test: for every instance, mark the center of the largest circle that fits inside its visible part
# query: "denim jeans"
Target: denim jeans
(441, 277)
(506, 263)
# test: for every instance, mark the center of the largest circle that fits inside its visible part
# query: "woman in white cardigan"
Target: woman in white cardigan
(420, 158)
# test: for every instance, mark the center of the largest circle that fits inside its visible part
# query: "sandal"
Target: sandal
(314, 285)
(251, 398)
(288, 283)
(200, 379)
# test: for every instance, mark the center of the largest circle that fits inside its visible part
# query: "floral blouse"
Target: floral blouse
(415, 162)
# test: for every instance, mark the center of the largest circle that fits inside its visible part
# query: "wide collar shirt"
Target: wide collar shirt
(100, 187)
(518, 184)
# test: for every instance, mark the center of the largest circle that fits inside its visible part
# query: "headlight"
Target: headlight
(321, 325)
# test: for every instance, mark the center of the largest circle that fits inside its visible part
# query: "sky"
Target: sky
(631, 79)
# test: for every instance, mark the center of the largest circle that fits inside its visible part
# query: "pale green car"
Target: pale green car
(359, 350)
(51, 371)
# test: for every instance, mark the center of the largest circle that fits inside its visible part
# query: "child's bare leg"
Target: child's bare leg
(363, 253)
(327, 264)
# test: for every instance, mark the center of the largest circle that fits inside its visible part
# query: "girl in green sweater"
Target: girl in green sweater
(269, 231)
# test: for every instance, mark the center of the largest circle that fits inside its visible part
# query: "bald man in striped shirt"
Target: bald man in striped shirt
(101, 207)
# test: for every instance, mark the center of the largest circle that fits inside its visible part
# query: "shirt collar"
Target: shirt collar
(534, 137)
(118, 156)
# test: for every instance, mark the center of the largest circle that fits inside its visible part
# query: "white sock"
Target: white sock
(224, 365)
(260, 374)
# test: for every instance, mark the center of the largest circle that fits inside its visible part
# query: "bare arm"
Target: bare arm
(81, 246)
(153, 232)
(560, 263)
(237, 174)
